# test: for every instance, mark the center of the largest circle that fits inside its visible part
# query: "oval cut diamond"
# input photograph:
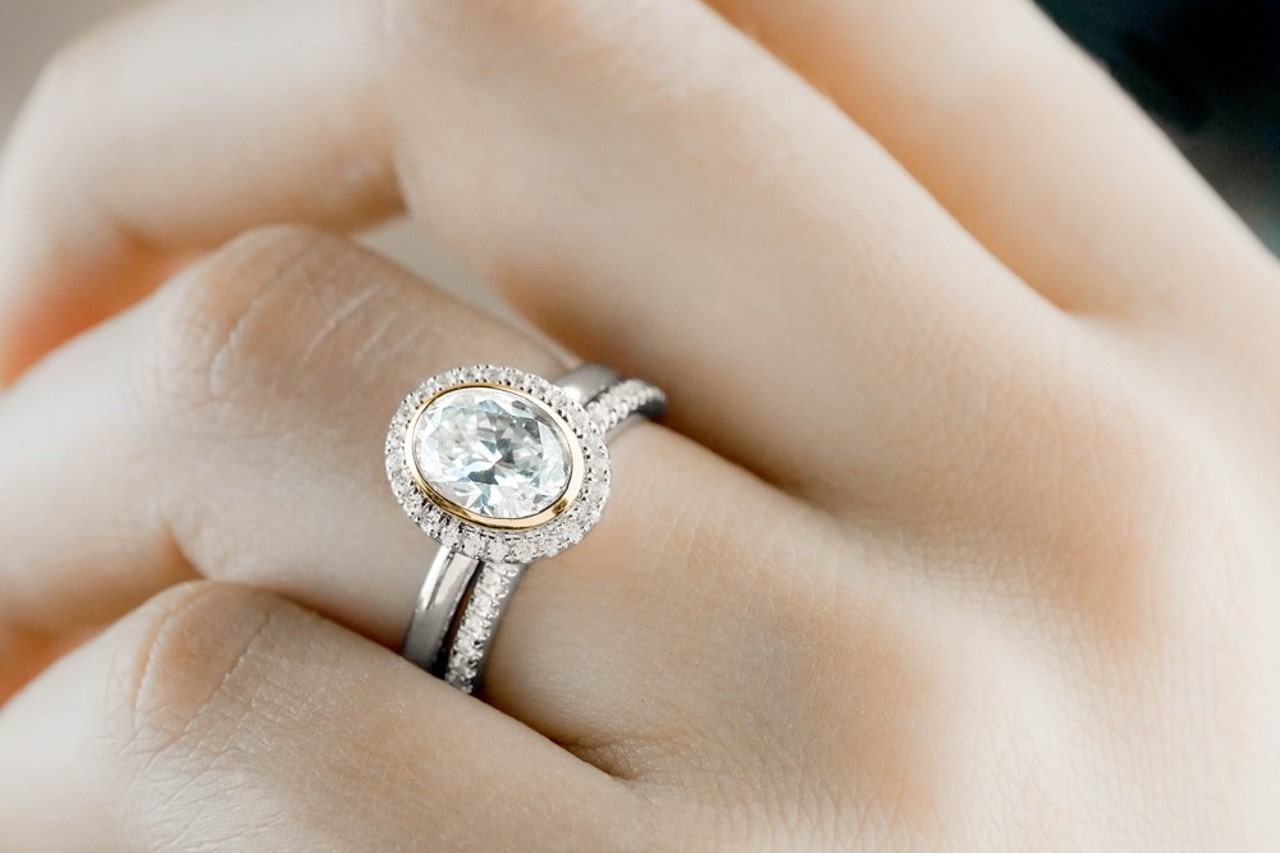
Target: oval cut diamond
(492, 452)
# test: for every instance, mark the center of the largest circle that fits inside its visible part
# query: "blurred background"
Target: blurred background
(1208, 70)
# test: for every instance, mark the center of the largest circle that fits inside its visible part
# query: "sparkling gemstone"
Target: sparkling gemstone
(492, 452)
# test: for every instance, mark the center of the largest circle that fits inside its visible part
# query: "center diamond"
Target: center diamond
(492, 452)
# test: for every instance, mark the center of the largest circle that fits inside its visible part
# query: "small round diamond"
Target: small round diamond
(492, 452)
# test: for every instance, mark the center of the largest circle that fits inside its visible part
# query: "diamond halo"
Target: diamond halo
(487, 538)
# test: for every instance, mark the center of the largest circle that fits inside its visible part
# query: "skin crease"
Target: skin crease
(961, 534)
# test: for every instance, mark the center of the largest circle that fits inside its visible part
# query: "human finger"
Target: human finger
(216, 716)
(159, 445)
(476, 114)
(237, 422)
(1044, 159)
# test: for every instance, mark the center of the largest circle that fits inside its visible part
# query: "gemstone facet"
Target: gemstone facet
(492, 452)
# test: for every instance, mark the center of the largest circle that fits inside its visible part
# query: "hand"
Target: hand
(961, 534)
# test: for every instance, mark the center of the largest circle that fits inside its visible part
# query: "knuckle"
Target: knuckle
(183, 676)
(808, 652)
(189, 681)
(885, 681)
(1136, 520)
(227, 326)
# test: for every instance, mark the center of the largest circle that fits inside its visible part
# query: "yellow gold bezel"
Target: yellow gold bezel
(572, 488)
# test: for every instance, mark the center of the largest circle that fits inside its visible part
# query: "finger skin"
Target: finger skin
(219, 717)
(1027, 142)
(26, 655)
(1043, 158)
(710, 223)
(80, 241)
(181, 436)
(233, 426)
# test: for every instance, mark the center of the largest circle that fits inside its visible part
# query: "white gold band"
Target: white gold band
(463, 598)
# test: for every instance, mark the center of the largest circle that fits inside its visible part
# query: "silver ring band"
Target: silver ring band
(463, 598)
(442, 591)
(451, 573)
(614, 405)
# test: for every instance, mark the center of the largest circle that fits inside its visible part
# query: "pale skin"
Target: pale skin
(962, 533)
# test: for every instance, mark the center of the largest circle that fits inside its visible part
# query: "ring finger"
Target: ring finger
(235, 425)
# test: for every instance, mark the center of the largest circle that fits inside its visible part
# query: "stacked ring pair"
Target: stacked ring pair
(500, 468)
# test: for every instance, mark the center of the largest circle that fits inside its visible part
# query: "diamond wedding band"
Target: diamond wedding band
(500, 468)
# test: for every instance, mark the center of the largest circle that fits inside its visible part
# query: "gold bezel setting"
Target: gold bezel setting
(563, 501)
(557, 527)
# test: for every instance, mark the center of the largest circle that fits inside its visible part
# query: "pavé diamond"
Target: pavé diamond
(492, 452)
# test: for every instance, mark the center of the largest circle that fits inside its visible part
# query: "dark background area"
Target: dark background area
(1209, 70)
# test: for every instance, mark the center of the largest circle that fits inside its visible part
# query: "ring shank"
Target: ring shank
(442, 591)
(462, 600)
